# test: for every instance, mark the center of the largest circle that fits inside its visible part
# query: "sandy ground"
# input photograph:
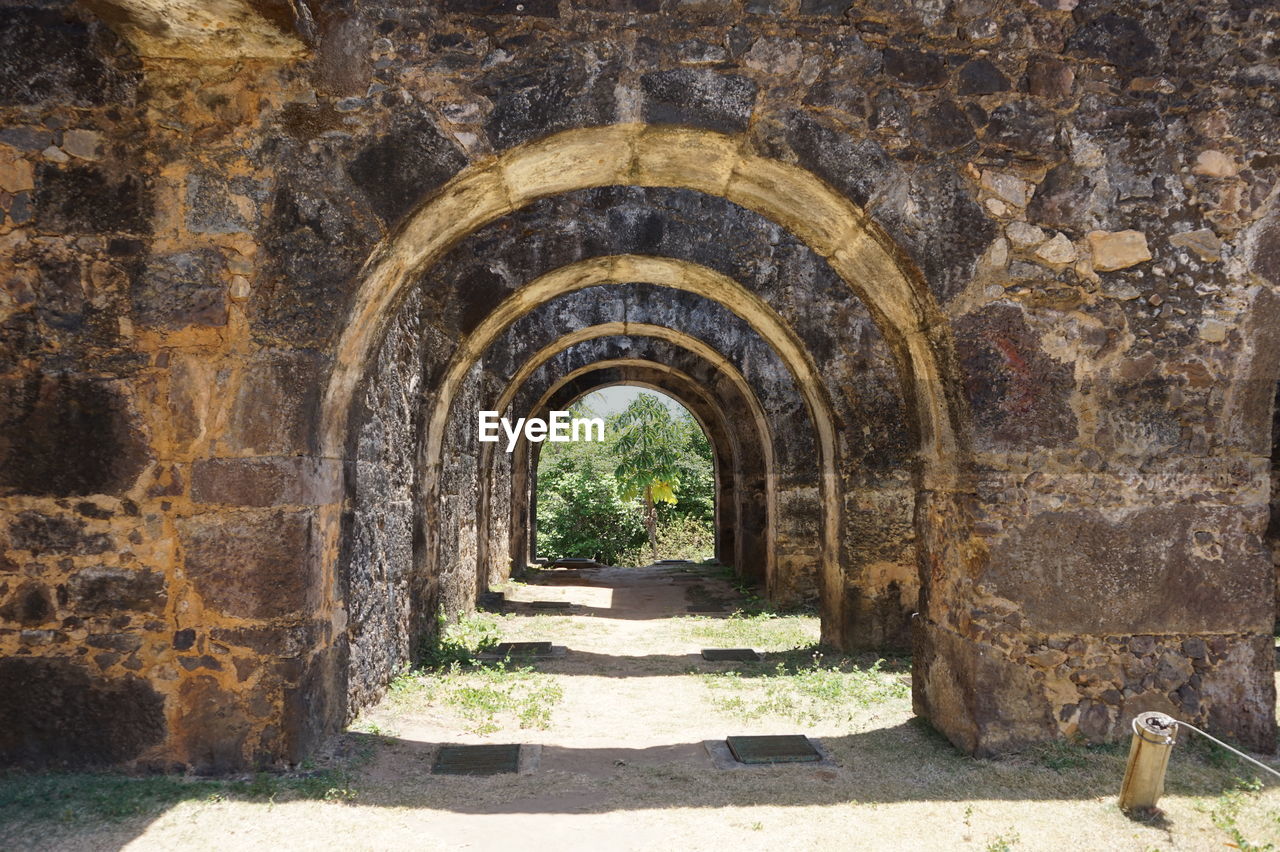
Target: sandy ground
(623, 765)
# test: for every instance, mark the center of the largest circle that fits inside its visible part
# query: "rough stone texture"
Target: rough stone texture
(254, 565)
(1081, 204)
(1019, 396)
(53, 714)
(67, 436)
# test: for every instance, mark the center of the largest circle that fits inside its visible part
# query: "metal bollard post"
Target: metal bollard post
(1153, 739)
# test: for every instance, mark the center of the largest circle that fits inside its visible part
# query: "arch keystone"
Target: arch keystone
(693, 159)
(575, 159)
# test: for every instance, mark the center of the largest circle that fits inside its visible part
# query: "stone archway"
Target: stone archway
(715, 164)
(738, 468)
(748, 434)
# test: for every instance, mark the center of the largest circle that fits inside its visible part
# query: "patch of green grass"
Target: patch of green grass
(1065, 756)
(1225, 814)
(1003, 842)
(763, 631)
(485, 695)
(73, 797)
(806, 693)
(460, 641)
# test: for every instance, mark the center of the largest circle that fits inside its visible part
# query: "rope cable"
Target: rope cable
(1212, 738)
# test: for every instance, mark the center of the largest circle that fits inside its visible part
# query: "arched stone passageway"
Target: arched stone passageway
(742, 503)
(708, 387)
(770, 379)
(666, 272)
(1034, 317)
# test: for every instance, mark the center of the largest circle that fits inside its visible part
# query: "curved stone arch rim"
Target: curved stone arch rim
(651, 155)
(682, 339)
(694, 387)
(680, 275)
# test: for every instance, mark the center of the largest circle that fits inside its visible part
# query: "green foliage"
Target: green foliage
(1226, 812)
(459, 642)
(579, 510)
(647, 449)
(807, 693)
(653, 473)
(483, 695)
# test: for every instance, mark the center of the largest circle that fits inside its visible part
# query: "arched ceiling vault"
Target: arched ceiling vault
(659, 156)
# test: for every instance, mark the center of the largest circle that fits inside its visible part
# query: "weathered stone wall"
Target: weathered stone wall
(1075, 203)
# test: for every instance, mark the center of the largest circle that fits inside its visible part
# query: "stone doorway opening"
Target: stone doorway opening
(581, 508)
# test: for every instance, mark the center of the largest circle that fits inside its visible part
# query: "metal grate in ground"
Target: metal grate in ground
(731, 655)
(778, 748)
(477, 760)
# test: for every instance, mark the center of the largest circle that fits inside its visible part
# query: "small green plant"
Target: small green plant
(460, 641)
(482, 694)
(764, 631)
(1226, 812)
(806, 693)
(1003, 842)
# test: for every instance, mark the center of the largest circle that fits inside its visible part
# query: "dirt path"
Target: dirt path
(620, 718)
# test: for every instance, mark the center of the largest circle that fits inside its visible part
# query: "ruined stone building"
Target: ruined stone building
(976, 299)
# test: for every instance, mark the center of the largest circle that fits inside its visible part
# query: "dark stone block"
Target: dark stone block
(856, 168)
(481, 290)
(41, 533)
(283, 641)
(545, 97)
(1091, 572)
(184, 640)
(400, 169)
(264, 481)
(277, 404)
(1064, 200)
(944, 231)
(981, 77)
(825, 8)
(124, 642)
(1026, 129)
(107, 591)
(62, 436)
(30, 605)
(53, 715)
(49, 55)
(214, 726)
(26, 138)
(1050, 78)
(944, 127)
(210, 208)
(520, 8)
(915, 67)
(699, 98)
(313, 709)
(85, 199)
(180, 290)
(1266, 253)
(314, 242)
(1119, 40)
(251, 564)
(1019, 396)
(61, 299)
(204, 661)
